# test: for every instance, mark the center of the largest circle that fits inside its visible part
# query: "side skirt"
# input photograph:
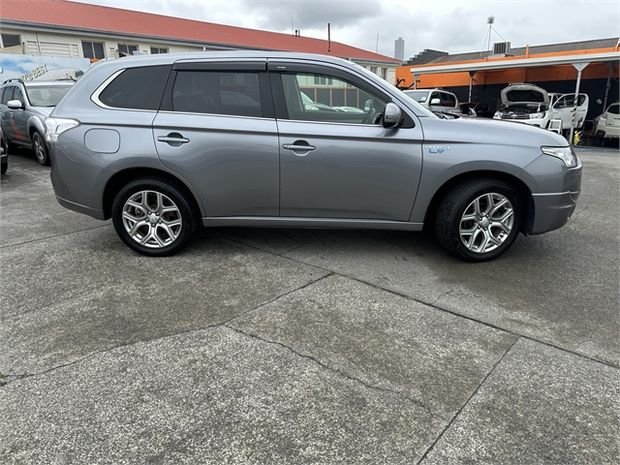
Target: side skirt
(318, 223)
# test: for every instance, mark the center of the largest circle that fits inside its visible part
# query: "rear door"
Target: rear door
(342, 164)
(217, 129)
(7, 125)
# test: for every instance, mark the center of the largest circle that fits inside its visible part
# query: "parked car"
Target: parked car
(607, 125)
(475, 110)
(530, 104)
(23, 107)
(149, 142)
(4, 154)
(436, 100)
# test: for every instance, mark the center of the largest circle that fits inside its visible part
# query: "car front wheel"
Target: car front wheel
(40, 149)
(153, 217)
(478, 220)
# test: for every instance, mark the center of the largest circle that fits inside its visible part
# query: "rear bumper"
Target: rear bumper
(609, 132)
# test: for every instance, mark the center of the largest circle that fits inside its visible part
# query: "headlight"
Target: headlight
(498, 114)
(540, 114)
(566, 154)
(56, 126)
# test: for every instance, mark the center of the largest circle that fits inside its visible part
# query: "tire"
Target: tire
(4, 161)
(40, 149)
(156, 234)
(458, 210)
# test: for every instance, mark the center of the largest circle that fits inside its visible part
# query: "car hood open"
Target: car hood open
(523, 94)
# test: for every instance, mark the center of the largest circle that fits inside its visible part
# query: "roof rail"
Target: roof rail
(20, 80)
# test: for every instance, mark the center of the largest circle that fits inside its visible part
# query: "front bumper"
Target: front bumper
(552, 210)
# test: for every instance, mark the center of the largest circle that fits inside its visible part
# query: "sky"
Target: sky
(448, 25)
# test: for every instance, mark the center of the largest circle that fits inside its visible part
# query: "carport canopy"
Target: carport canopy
(579, 62)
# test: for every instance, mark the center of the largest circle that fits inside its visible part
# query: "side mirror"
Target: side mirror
(391, 116)
(435, 101)
(15, 104)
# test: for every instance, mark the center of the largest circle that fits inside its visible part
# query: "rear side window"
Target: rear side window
(137, 88)
(217, 92)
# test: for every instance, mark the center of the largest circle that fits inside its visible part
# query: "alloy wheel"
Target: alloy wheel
(39, 149)
(152, 219)
(486, 223)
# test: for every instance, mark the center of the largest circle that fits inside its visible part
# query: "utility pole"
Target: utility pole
(490, 21)
(377, 46)
(329, 37)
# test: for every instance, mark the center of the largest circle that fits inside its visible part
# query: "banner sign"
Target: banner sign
(48, 68)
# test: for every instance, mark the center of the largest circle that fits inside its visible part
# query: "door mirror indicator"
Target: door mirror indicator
(15, 104)
(392, 116)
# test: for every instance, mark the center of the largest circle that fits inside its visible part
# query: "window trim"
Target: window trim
(277, 68)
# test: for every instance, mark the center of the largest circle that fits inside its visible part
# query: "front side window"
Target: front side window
(93, 50)
(8, 94)
(339, 101)
(125, 50)
(448, 100)
(217, 92)
(19, 95)
(137, 88)
(46, 96)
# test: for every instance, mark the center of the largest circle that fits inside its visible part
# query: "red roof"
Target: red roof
(81, 16)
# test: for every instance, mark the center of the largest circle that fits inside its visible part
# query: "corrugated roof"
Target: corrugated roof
(533, 50)
(94, 18)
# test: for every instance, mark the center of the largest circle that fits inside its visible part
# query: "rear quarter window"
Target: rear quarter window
(137, 88)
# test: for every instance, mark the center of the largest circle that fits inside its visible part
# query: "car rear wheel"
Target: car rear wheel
(478, 220)
(40, 149)
(153, 217)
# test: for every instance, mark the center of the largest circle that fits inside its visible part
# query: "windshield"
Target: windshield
(419, 96)
(46, 96)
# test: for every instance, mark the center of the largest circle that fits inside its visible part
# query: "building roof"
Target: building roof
(439, 57)
(63, 14)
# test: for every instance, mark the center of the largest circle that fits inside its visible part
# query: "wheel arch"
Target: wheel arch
(121, 178)
(525, 194)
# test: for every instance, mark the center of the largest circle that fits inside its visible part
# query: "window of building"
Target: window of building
(137, 88)
(340, 102)
(125, 50)
(11, 40)
(217, 92)
(93, 50)
(156, 50)
(320, 80)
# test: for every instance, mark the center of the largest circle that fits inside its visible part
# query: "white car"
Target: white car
(530, 104)
(436, 100)
(607, 125)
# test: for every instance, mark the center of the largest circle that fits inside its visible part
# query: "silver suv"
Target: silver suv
(23, 108)
(163, 143)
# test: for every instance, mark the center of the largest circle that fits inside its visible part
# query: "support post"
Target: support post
(471, 83)
(579, 67)
(610, 67)
(415, 83)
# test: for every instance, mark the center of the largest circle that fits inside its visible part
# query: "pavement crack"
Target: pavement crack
(432, 446)
(336, 371)
(9, 378)
(38, 239)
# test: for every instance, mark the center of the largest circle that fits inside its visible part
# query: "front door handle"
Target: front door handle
(299, 146)
(174, 138)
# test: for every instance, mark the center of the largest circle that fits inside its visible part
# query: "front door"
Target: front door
(217, 130)
(336, 158)
(563, 109)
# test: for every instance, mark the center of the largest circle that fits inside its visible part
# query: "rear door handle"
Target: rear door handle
(299, 146)
(174, 138)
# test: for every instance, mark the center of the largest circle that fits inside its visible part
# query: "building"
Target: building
(399, 49)
(480, 76)
(70, 29)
